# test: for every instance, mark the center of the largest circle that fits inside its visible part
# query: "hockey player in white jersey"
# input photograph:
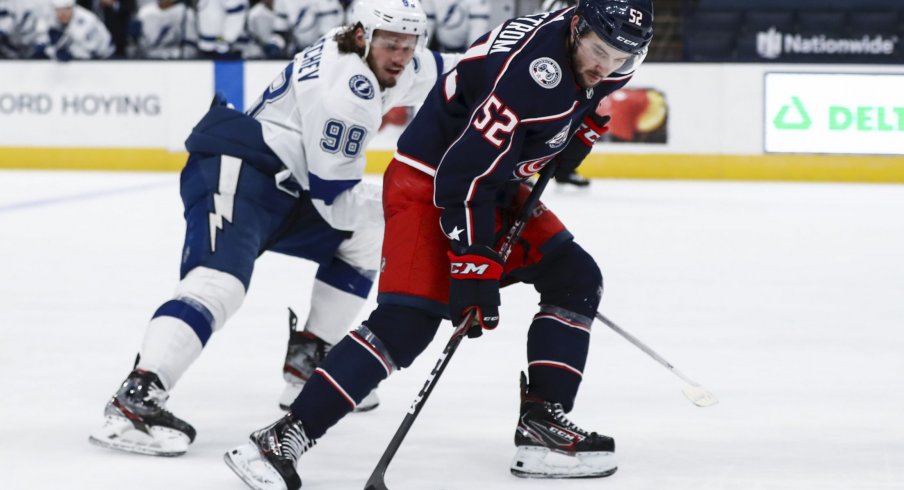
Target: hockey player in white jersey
(72, 32)
(305, 21)
(286, 176)
(456, 24)
(167, 29)
(221, 28)
(263, 40)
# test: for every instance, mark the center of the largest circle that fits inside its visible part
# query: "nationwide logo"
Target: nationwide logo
(772, 44)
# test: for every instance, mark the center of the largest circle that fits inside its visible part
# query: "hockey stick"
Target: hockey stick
(697, 394)
(377, 478)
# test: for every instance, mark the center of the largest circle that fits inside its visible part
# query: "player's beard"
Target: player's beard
(580, 70)
(384, 78)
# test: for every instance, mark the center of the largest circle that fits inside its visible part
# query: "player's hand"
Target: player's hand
(63, 55)
(273, 52)
(592, 129)
(474, 286)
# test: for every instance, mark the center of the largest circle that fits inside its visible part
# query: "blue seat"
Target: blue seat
(872, 23)
(709, 46)
(713, 21)
(782, 20)
(813, 22)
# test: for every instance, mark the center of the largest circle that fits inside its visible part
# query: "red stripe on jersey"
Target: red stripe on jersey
(555, 364)
(329, 379)
(382, 360)
(563, 321)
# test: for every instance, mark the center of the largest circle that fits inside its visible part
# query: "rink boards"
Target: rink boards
(709, 121)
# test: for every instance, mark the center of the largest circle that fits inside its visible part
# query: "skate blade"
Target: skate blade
(119, 434)
(246, 462)
(534, 462)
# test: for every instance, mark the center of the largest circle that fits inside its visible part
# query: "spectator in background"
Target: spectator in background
(166, 29)
(305, 21)
(116, 16)
(456, 24)
(72, 32)
(264, 41)
(551, 5)
(7, 25)
(221, 28)
(18, 28)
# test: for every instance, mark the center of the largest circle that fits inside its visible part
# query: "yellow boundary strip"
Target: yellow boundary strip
(822, 168)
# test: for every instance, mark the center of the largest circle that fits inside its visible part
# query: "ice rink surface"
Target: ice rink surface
(785, 300)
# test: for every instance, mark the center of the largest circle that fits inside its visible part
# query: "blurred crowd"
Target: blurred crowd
(202, 29)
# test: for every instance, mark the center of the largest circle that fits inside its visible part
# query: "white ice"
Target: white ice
(785, 300)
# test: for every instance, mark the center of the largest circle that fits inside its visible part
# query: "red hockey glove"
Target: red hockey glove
(592, 129)
(474, 286)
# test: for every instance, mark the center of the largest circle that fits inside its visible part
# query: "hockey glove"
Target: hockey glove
(592, 129)
(474, 286)
(273, 52)
(63, 55)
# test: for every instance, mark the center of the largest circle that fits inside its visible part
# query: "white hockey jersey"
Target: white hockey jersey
(552, 5)
(307, 20)
(261, 29)
(85, 37)
(319, 114)
(221, 25)
(457, 23)
(167, 34)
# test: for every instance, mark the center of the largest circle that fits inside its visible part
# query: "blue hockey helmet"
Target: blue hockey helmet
(626, 25)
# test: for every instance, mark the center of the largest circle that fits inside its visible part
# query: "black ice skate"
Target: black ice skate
(545, 435)
(136, 422)
(572, 178)
(267, 461)
(304, 354)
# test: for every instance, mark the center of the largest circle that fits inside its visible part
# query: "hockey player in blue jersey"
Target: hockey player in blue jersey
(523, 96)
(284, 177)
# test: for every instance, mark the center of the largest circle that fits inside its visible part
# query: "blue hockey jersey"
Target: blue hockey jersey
(508, 108)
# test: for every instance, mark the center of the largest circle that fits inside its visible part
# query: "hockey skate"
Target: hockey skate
(572, 178)
(267, 461)
(136, 422)
(304, 354)
(550, 446)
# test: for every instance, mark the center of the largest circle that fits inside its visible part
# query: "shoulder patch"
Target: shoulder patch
(561, 137)
(362, 87)
(546, 72)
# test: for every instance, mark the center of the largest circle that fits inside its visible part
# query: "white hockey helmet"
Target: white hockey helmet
(401, 16)
(62, 4)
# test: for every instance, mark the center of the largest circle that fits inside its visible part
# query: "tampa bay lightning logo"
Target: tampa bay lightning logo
(362, 87)
(546, 72)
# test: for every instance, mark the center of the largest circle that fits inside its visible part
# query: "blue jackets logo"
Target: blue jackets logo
(546, 72)
(561, 137)
(362, 87)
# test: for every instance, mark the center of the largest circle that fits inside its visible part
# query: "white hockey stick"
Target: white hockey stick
(697, 394)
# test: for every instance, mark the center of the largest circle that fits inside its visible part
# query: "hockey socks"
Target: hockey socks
(557, 345)
(353, 368)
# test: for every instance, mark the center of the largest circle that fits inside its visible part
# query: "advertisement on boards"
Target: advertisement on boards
(101, 104)
(858, 114)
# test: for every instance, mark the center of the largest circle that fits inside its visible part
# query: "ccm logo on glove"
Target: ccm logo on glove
(474, 267)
